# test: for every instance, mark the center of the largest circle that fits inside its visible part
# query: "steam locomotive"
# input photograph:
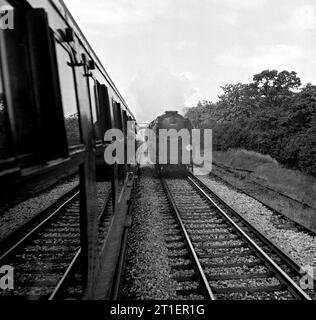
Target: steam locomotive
(171, 147)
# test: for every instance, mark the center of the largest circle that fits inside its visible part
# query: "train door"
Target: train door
(95, 112)
(124, 120)
(106, 122)
(78, 117)
(118, 125)
(106, 112)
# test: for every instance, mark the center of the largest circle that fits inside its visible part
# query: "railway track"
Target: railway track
(232, 259)
(284, 260)
(11, 239)
(46, 259)
(186, 269)
(45, 256)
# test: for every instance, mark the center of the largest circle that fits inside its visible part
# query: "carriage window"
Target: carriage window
(118, 115)
(94, 110)
(4, 143)
(68, 93)
(4, 151)
(15, 56)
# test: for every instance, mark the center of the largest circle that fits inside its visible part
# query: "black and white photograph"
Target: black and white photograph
(159, 152)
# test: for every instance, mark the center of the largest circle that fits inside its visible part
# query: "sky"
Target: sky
(169, 54)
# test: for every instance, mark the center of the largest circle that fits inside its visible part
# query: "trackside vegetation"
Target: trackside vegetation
(274, 115)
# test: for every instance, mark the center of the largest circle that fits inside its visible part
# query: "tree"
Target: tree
(201, 114)
(273, 115)
(237, 100)
(274, 87)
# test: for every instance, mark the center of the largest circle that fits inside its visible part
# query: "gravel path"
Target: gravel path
(300, 245)
(18, 215)
(148, 272)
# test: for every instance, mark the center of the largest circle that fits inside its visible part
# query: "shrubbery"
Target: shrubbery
(273, 115)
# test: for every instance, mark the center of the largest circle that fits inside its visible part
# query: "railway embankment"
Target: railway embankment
(289, 192)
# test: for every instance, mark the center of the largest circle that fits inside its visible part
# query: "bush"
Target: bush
(275, 119)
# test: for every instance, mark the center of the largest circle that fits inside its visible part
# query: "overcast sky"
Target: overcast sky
(169, 54)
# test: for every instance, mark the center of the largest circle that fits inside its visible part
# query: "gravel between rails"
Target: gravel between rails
(298, 244)
(18, 215)
(276, 295)
(245, 283)
(148, 272)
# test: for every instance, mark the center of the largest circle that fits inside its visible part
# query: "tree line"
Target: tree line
(274, 114)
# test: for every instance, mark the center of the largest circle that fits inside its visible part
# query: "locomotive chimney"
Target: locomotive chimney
(171, 112)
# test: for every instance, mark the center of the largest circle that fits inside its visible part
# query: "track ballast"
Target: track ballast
(225, 251)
